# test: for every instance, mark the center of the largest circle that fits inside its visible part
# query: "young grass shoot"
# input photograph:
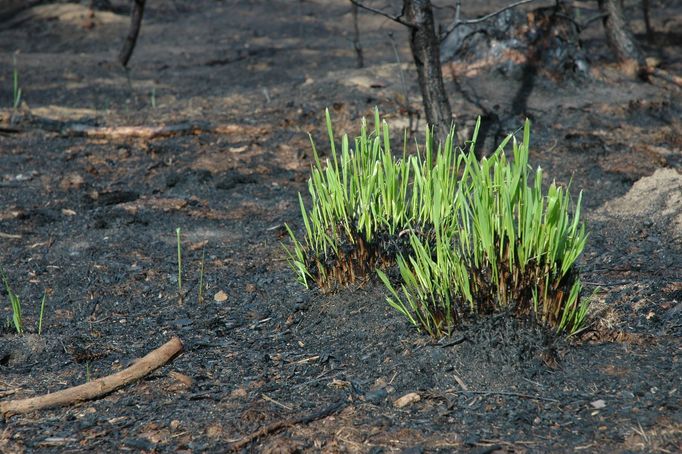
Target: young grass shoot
(177, 235)
(16, 89)
(14, 303)
(201, 276)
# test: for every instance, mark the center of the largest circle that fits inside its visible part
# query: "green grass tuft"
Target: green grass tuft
(468, 237)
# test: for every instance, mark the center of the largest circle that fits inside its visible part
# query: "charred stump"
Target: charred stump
(425, 47)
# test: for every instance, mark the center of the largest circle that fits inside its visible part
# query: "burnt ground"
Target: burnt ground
(92, 222)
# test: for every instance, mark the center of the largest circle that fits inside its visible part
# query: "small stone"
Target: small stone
(214, 431)
(627, 395)
(182, 378)
(406, 400)
(598, 404)
(220, 296)
(239, 393)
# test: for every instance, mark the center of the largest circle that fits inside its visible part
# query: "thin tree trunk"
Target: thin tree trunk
(418, 14)
(619, 37)
(647, 21)
(131, 39)
(356, 38)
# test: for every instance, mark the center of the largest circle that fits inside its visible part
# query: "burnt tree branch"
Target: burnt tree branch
(457, 22)
(394, 18)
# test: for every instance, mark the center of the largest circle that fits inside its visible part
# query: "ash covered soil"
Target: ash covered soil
(92, 221)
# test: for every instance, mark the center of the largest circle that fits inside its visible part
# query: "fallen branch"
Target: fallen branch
(665, 75)
(141, 132)
(274, 427)
(501, 393)
(95, 388)
(131, 39)
(86, 127)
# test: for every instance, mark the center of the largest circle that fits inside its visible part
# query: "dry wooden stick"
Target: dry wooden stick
(274, 427)
(123, 132)
(95, 388)
(665, 75)
(131, 39)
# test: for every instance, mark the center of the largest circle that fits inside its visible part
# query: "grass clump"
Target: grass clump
(364, 202)
(508, 246)
(467, 237)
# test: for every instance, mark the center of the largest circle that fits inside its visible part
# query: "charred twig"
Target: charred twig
(96, 388)
(665, 75)
(502, 393)
(131, 39)
(399, 18)
(647, 21)
(458, 22)
(594, 18)
(283, 424)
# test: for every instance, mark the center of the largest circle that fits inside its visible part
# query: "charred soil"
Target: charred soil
(91, 219)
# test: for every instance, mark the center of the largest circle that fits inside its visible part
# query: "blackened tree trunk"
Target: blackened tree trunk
(619, 37)
(418, 16)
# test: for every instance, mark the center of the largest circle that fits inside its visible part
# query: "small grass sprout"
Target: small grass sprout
(177, 235)
(201, 276)
(14, 303)
(16, 89)
(42, 312)
(152, 97)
